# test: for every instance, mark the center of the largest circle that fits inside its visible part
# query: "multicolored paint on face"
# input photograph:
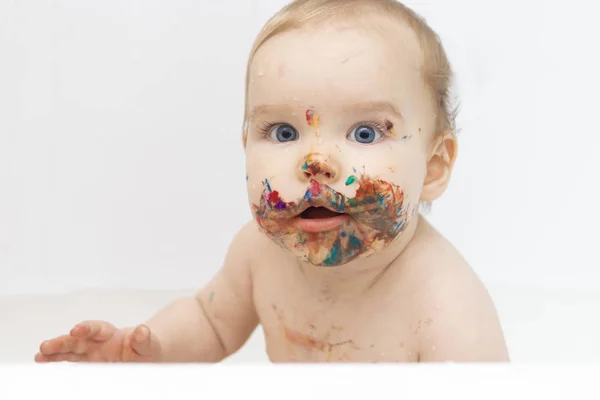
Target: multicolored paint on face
(315, 164)
(379, 213)
(313, 119)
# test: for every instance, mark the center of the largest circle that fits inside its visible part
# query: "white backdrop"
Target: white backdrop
(121, 163)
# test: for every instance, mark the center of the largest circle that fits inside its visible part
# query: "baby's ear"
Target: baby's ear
(439, 167)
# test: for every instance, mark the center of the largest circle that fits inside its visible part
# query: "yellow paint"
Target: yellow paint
(313, 119)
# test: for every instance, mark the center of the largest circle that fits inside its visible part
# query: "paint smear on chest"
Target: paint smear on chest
(310, 343)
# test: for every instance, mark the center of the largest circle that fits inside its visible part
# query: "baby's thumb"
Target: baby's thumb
(143, 342)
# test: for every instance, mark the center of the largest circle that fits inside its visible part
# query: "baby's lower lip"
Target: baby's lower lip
(320, 224)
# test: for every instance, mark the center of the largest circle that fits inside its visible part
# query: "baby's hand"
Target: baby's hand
(99, 341)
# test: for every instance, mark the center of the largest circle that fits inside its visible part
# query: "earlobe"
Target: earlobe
(439, 167)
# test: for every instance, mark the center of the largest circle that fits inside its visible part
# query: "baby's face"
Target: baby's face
(338, 133)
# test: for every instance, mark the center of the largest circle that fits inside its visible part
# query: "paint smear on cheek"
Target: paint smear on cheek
(313, 119)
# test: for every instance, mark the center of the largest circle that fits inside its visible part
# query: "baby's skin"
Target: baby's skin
(338, 264)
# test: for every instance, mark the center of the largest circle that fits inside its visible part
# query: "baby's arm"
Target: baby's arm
(460, 322)
(219, 319)
(205, 328)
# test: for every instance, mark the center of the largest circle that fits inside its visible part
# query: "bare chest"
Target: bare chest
(314, 327)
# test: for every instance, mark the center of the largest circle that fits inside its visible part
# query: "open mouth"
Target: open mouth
(318, 213)
(320, 219)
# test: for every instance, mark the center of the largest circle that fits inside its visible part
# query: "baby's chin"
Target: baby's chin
(331, 248)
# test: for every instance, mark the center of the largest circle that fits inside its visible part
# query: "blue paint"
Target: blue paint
(343, 234)
(280, 205)
(354, 242)
(335, 255)
(268, 185)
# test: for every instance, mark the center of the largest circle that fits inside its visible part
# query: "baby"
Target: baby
(347, 131)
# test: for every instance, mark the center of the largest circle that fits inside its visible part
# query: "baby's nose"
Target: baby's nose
(319, 167)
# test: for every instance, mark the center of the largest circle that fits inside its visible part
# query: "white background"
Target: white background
(121, 165)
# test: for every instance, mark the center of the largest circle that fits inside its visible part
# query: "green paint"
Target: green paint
(350, 180)
(211, 297)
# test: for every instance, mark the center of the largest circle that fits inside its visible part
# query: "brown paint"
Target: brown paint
(309, 342)
(389, 126)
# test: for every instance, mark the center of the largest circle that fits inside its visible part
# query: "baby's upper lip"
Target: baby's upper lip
(319, 201)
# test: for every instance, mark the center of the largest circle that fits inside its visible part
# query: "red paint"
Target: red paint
(274, 197)
(315, 188)
(313, 119)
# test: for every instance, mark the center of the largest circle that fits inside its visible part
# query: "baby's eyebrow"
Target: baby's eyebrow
(268, 108)
(367, 106)
(351, 108)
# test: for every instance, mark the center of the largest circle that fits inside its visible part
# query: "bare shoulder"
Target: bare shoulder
(246, 239)
(252, 245)
(236, 275)
(458, 318)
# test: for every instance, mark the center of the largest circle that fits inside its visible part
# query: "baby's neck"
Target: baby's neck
(357, 277)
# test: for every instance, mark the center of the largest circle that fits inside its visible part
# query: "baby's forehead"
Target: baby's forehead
(335, 65)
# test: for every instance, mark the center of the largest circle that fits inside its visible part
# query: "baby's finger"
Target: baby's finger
(61, 344)
(96, 330)
(140, 341)
(69, 357)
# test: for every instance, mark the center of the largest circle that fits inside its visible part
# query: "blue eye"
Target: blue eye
(283, 133)
(364, 134)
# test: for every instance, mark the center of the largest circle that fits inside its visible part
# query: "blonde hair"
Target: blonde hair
(436, 70)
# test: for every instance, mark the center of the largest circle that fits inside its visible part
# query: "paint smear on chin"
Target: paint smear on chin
(378, 207)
